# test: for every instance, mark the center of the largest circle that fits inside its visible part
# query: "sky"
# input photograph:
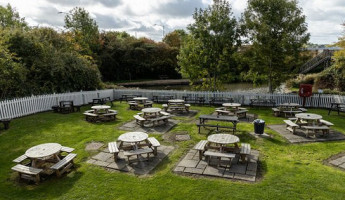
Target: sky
(148, 18)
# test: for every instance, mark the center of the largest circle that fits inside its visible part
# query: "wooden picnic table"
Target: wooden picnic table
(221, 118)
(310, 118)
(227, 106)
(176, 101)
(132, 138)
(224, 139)
(100, 107)
(140, 100)
(290, 105)
(151, 112)
(43, 151)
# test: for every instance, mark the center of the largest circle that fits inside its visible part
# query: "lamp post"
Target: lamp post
(162, 29)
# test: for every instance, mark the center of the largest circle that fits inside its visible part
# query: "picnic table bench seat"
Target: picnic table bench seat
(324, 129)
(110, 115)
(245, 151)
(162, 118)
(200, 147)
(91, 117)
(29, 173)
(327, 123)
(219, 155)
(154, 143)
(291, 126)
(164, 113)
(241, 113)
(112, 147)
(291, 112)
(133, 105)
(165, 107)
(139, 120)
(137, 152)
(216, 126)
(63, 165)
(20, 159)
(303, 109)
(222, 112)
(67, 149)
(276, 112)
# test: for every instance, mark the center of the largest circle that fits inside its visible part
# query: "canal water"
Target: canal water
(233, 87)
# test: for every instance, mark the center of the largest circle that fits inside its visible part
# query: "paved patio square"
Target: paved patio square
(160, 129)
(300, 137)
(143, 166)
(191, 165)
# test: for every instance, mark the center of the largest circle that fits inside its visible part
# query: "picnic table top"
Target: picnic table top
(99, 107)
(176, 101)
(231, 104)
(133, 137)
(43, 150)
(308, 116)
(140, 98)
(223, 139)
(290, 105)
(219, 118)
(151, 110)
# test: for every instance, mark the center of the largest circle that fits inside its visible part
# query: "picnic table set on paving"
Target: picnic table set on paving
(309, 122)
(177, 105)
(288, 109)
(134, 144)
(220, 118)
(44, 159)
(222, 146)
(66, 107)
(139, 103)
(152, 116)
(100, 113)
(232, 109)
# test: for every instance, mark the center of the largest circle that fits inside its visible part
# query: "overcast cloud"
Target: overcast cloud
(148, 17)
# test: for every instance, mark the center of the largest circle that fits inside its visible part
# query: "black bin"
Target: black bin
(259, 126)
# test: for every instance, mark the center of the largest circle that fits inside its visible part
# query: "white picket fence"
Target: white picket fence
(34, 104)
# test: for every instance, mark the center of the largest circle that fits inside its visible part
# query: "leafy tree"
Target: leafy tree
(277, 30)
(9, 18)
(208, 51)
(12, 73)
(84, 29)
(175, 38)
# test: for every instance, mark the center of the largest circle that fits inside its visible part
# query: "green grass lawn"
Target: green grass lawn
(288, 171)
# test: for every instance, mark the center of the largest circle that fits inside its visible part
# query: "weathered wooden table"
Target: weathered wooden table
(43, 151)
(227, 106)
(132, 138)
(309, 117)
(100, 108)
(221, 118)
(224, 139)
(140, 100)
(151, 112)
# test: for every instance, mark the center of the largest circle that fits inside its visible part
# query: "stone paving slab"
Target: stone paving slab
(191, 113)
(159, 129)
(139, 167)
(300, 137)
(191, 165)
(93, 146)
(337, 161)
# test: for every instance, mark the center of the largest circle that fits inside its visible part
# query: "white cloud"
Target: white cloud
(139, 16)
